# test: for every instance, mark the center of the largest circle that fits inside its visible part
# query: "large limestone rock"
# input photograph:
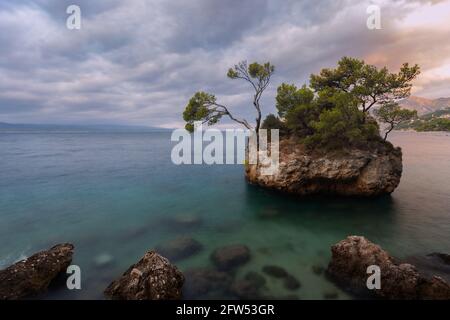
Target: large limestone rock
(152, 278)
(33, 275)
(351, 172)
(352, 256)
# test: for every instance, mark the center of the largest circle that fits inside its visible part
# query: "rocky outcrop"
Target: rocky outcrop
(152, 278)
(33, 275)
(352, 256)
(350, 172)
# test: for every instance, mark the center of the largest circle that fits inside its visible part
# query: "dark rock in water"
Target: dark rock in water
(352, 256)
(152, 278)
(291, 283)
(317, 269)
(330, 295)
(250, 287)
(444, 257)
(354, 172)
(33, 275)
(275, 271)
(179, 248)
(255, 278)
(431, 265)
(206, 283)
(245, 289)
(230, 257)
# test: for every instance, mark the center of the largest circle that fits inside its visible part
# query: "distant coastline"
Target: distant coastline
(74, 128)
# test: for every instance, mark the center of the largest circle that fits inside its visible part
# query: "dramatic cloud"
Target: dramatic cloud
(138, 62)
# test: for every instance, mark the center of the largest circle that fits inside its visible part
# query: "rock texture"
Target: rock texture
(353, 172)
(33, 275)
(152, 278)
(352, 256)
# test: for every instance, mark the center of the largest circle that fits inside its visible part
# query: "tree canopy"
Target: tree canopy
(333, 111)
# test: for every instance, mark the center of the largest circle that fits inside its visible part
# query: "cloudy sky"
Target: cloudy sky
(138, 62)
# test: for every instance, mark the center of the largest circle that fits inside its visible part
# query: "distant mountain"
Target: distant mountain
(21, 127)
(424, 105)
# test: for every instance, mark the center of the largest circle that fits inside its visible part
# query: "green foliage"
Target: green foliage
(288, 97)
(199, 109)
(435, 121)
(435, 124)
(273, 122)
(368, 84)
(341, 126)
(254, 71)
(391, 114)
(333, 111)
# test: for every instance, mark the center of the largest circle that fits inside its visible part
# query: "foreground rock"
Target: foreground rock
(152, 278)
(33, 275)
(352, 256)
(352, 172)
(230, 257)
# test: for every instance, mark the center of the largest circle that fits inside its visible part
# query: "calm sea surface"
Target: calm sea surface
(115, 196)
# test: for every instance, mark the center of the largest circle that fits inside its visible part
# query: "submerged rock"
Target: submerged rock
(291, 283)
(352, 256)
(179, 248)
(275, 271)
(152, 278)
(206, 283)
(250, 287)
(33, 275)
(230, 257)
(445, 258)
(353, 172)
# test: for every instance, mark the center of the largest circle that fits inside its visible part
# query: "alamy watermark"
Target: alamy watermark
(240, 146)
(73, 21)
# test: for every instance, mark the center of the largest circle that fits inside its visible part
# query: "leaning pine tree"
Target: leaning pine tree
(204, 107)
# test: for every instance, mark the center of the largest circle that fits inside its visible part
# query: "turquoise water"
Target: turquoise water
(117, 195)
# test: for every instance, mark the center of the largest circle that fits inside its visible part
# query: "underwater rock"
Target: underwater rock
(275, 271)
(205, 283)
(179, 248)
(152, 278)
(291, 283)
(352, 256)
(353, 172)
(445, 258)
(33, 275)
(230, 257)
(255, 278)
(250, 287)
(318, 270)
